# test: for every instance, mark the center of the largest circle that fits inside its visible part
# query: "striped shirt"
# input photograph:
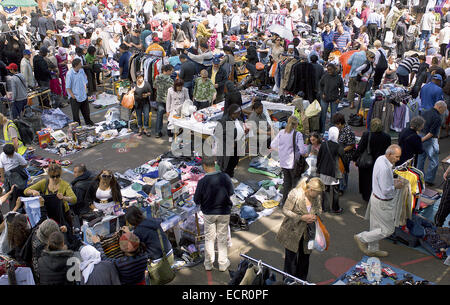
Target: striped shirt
(411, 64)
(342, 40)
(131, 268)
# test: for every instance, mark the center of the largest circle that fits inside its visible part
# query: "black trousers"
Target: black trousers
(378, 77)
(297, 264)
(289, 182)
(326, 54)
(232, 163)
(372, 31)
(331, 198)
(84, 107)
(92, 85)
(444, 207)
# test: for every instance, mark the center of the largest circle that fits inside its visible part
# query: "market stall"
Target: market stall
(370, 271)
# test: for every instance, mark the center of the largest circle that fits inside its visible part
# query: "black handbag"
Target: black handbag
(300, 165)
(366, 158)
(355, 120)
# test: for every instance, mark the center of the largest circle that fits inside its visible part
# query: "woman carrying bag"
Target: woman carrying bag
(301, 209)
(329, 170)
(284, 144)
(373, 143)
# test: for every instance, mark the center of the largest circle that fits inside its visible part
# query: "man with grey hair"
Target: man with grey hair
(410, 141)
(430, 135)
(382, 203)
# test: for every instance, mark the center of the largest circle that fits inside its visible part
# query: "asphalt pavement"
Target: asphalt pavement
(259, 242)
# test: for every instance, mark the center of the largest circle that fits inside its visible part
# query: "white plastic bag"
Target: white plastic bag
(320, 243)
(313, 109)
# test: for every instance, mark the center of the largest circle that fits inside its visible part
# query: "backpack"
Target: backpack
(26, 134)
(382, 62)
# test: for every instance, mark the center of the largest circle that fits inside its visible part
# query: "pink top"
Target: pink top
(167, 32)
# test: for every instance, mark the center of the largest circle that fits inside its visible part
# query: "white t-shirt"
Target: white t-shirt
(8, 163)
(148, 7)
(104, 195)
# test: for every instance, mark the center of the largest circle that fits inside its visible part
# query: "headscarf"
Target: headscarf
(333, 134)
(45, 229)
(90, 257)
(62, 52)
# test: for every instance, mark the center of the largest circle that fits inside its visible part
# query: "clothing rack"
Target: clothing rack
(404, 164)
(10, 31)
(276, 270)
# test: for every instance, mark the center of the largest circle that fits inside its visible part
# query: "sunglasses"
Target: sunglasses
(107, 176)
(55, 177)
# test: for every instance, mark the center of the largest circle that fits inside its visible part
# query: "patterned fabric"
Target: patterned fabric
(203, 91)
(111, 246)
(162, 84)
(347, 138)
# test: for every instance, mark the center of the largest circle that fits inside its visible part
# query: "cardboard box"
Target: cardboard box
(163, 189)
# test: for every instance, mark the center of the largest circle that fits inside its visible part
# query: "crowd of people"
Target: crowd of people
(69, 47)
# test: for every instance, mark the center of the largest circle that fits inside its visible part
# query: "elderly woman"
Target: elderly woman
(284, 144)
(94, 270)
(378, 141)
(410, 140)
(302, 208)
(328, 169)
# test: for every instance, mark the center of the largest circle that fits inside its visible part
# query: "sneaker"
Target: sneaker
(224, 268)
(378, 253)
(158, 135)
(360, 244)
(170, 139)
(234, 180)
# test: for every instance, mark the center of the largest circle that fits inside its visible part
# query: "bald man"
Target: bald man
(382, 205)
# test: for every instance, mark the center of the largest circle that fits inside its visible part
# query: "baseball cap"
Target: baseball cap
(26, 52)
(436, 76)
(12, 66)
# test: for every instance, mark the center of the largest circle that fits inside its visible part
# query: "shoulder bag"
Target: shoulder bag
(366, 158)
(161, 273)
(300, 165)
(339, 160)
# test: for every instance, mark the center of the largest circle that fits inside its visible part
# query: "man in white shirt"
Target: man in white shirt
(148, 10)
(426, 27)
(235, 22)
(296, 13)
(444, 38)
(381, 208)
(219, 28)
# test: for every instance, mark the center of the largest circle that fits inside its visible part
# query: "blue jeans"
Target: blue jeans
(343, 183)
(424, 36)
(431, 150)
(17, 108)
(145, 110)
(161, 109)
(323, 113)
(190, 87)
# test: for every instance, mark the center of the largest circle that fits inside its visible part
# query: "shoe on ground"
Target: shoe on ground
(378, 253)
(224, 268)
(234, 180)
(170, 139)
(340, 211)
(429, 184)
(362, 246)
(158, 135)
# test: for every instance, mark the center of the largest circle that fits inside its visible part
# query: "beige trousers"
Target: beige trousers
(216, 226)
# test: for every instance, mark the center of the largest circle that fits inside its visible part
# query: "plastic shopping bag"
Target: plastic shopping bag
(322, 237)
(313, 109)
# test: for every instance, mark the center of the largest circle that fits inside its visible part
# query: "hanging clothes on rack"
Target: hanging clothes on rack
(416, 180)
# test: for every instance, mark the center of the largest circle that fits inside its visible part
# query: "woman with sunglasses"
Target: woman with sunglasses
(104, 193)
(54, 185)
(64, 195)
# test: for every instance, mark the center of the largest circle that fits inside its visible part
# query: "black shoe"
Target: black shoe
(158, 135)
(90, 123)
(340, 211)
(430, 184)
